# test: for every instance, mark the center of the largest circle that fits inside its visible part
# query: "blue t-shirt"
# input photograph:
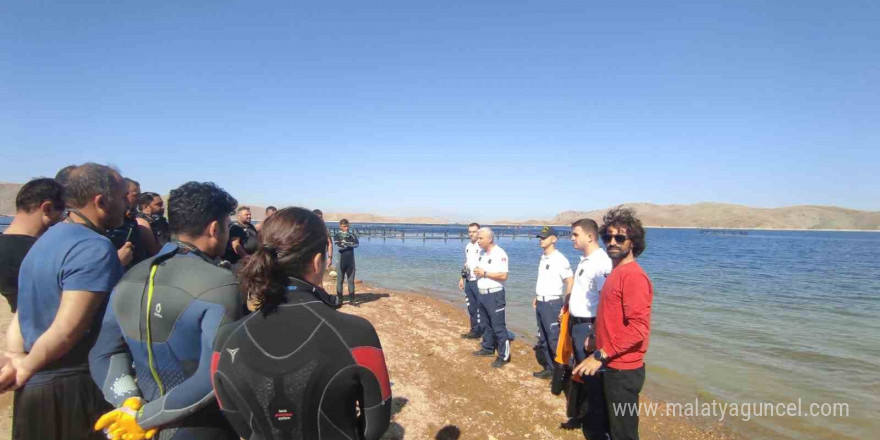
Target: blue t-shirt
(67, 257)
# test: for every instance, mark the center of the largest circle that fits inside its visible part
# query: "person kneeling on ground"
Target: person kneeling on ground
(326, 377)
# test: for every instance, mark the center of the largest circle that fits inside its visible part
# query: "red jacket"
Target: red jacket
(623, 321)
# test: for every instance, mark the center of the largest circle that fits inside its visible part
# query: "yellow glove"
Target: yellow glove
(121, 423)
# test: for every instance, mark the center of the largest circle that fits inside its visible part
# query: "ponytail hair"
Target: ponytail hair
(289, 241)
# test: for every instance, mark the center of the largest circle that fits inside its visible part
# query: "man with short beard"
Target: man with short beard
(128, 239)
(151, 216)
(242, 237)
(64, 282)
(623, 323)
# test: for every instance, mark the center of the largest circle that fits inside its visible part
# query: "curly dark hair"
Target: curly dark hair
(194, 205)
(626, 218)
(34, 193)
(289, 241)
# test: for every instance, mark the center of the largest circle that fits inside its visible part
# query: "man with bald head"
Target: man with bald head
(64, 282)
(491, 272)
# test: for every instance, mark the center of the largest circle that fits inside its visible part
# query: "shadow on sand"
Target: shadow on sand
(363, 298)
(396, 432)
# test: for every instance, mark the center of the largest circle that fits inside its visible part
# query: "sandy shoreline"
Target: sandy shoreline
(437, 384)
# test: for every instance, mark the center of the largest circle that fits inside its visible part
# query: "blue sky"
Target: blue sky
(477, 109)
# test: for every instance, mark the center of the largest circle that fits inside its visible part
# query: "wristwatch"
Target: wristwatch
(597, 355)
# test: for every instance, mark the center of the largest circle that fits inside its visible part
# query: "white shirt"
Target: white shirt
(494, 262)
(588, 281)
(553, 269)
(471, 257)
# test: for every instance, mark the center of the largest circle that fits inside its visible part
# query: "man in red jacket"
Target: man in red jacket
(623, 324)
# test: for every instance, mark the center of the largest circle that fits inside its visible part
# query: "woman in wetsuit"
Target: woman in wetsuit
(297, 368)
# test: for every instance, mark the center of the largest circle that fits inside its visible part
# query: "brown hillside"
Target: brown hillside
(8, 191)
(722, 215)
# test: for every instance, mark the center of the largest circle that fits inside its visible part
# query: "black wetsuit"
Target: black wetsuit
(159, 226)
(300, 372)
(346, 242)
(129, 232)
(158, 343)
(247, 235)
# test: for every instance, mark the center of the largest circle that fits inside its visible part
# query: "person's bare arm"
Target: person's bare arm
(497, 276)
(569, 283)
(238, 248)
(14, 341)
(330, 251)
(125, 253)
(148, 240)
(75, 313)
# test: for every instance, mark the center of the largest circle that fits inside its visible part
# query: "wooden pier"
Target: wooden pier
(724, 231)
(403, 234)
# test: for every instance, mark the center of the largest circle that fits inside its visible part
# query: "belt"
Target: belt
(546, 298)
(491, 290)
(577, 320)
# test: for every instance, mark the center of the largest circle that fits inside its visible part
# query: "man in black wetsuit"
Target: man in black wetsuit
(297, 368)
(130, 245)
(151, 211)
(242, 237)
(38, 205)
(163, 318)
(346, 241)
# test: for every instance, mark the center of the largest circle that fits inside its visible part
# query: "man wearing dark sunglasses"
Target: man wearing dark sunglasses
(625, 312)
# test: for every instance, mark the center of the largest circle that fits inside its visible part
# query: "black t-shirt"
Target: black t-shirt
(13, 248)
(248, 236)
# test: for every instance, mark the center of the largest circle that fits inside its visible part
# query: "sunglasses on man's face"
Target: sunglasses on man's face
(619, 238)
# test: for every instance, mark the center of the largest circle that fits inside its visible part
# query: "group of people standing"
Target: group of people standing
(243, 241)
(593, 323)
(113, 338)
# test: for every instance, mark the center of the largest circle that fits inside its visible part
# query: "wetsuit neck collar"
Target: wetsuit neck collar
(298, 285)
(189, 248)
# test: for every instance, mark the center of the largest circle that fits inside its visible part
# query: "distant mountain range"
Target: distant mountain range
(699, 215)
(724, 215)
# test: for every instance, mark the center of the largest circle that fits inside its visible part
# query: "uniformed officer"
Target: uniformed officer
(554, 283)
(491, 272)
(582, 305)
(468, 283)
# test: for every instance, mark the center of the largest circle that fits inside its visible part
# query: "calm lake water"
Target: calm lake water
(771, 316)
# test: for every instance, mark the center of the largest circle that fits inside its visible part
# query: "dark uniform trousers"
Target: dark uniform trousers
(472, 293)
(495, 335)
(595, 415)
(547, 314)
